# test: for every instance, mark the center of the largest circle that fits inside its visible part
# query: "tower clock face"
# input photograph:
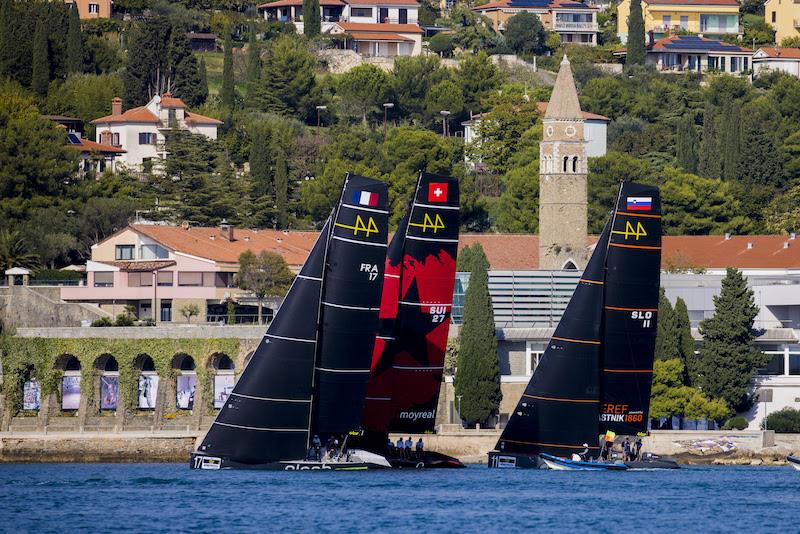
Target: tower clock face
(569, 131)
(549, 131)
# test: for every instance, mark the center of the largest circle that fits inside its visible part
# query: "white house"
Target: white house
(385, 28)
(777, 59)
(140, 131)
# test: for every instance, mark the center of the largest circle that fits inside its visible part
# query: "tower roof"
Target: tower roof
(564, 102)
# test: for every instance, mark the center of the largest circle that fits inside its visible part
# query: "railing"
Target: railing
(239, 318)
(704, 28)
(576, 26)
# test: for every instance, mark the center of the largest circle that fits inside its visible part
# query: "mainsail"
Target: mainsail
(596, 372)
(305, 360)
(408, 359)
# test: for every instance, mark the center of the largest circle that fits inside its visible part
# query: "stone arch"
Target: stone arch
(106, 383)
(183, 362)
(31, 389)
(185, 381)
(70, 382)
(148, 382)
(569, 265)
(222, 370)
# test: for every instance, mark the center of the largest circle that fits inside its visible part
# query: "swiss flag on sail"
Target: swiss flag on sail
(437, 192)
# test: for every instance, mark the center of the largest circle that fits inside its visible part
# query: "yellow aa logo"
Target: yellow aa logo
(435, 224)
(630, 231)
(369, 228)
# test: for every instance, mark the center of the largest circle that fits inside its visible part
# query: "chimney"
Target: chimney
(792, 236)
(226, 230)
(727, 236)
(785, 244)
(185, 225)
(116, 106)
(749, 246)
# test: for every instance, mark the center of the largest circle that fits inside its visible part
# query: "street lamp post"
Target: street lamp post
(444, 113)
(386, 107)
(319, 110)
(458, 397)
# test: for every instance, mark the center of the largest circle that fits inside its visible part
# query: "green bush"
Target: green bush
(56, 274)
(123, 319)
(783, 421)
(442, 44)
(735, 423)
(103, 321)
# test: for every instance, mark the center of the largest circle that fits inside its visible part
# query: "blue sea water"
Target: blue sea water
(172, 498)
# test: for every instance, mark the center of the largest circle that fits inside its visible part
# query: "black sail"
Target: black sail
(633, 266)
(351, 295)
(559, 410)
(267, 415)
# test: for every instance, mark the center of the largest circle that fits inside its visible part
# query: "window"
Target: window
(774, 18)
(115, 139)
(164, 278)
(361, 12)
(684, 22)
(166, 311)
(94, 8)
(575, 164)
(666, 21)
(173, 117)
(125, 252)
(383, 14)
(774, 367)
(402, 16)
(147, 138)
(734, 64)
(152, 252)
(190, 279)
(566, 162)
(746, 63)
(103, 279)
(722, 64)
(140, 279)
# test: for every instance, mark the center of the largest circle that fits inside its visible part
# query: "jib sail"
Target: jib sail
(630, 305)
(408, 360)
(558, 412)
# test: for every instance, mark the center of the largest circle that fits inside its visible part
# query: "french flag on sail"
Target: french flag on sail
(365, 198)
(640, 203)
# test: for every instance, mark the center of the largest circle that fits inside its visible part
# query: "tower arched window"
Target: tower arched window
(566, 164)
(575, 164)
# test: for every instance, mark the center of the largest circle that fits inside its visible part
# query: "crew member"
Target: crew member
(389, 445)
(401, 448)
(316, 445)
(420, 448)
(409, 447)
(585, 452)
(605, 451)
(637, 448)
(626, 449)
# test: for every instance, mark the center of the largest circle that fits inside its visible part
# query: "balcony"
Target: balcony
(575, 26)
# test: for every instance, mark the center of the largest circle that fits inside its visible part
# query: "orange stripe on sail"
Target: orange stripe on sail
(619, 308)
(556, 399)
(627, 370)
(591, 281)
(644, 247)
(585, 341)
(548, 444)
(646, 215)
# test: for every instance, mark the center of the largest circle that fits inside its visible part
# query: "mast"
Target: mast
(630, 310)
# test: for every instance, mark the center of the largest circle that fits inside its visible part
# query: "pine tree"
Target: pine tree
(228, 91)
(184, 71)
(40, 78)
(686, 149)
(74, 44)
(684, 340)
(709, 157)
(666, 334)
(729, 358)
(636, 44)
(312, 26)
(202, 90)
(477, 379)
(281, 188)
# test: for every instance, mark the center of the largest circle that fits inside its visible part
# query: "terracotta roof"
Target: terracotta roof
(693, 2)
(196, 118)
(377, 36)
(197, 241)
(383, 3)
(140, 266)
(392, 28)
(785, 53)
(169, 101)
(87, 146)
(534, 6)
(564, 100)
(200, 35)
(285, 3)
(140, 114)
(542, 107)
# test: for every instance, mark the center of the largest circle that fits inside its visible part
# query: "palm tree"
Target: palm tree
(14, 251)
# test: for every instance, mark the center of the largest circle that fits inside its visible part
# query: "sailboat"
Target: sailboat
(408, 358)
(596, 372)
(794, 461)
(307, 379)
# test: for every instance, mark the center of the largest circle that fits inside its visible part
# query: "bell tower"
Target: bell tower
(563, 170)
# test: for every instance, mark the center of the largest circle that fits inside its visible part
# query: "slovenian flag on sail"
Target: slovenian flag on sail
(365, 198)
(640, 203)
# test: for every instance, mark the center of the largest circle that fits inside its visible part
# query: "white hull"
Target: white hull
(796, 466)
(556, 466)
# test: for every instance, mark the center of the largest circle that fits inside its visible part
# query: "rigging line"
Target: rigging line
(306, 277)
(646, 215)
(379, 398)
(417, 368)
(627, 371)
(433, 206)
(342, 306)
(620, 308)
(432, 304)
(270, 399)
(591, 281)
(357, 242)
(643, 247)
(388, 338)
(352, 207)
(585, 341)
(291, 338)
(387, 275)
(263, 429)
(329, 370)
(592, 401)
(548, 444)
(433, 239)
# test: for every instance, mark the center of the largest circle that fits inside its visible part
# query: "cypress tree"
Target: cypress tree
(184, 71)
(253, 58)
(202, 90)
(40, 78)
(281, 188)
(684, 340)
(228, 91)
(6, 38)
(260, 161)
(148, 60)
(477, 379)
(636, 44)
(709, 157)
(665, 329)
(686, 149)
(312, 25)
(729, 358)
(730, 134)
(74, 44)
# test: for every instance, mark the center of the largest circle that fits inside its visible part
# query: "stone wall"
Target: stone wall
(42, 307)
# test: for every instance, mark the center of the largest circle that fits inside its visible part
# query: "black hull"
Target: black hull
(504, 460)
(204, 462)
(427, 460)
